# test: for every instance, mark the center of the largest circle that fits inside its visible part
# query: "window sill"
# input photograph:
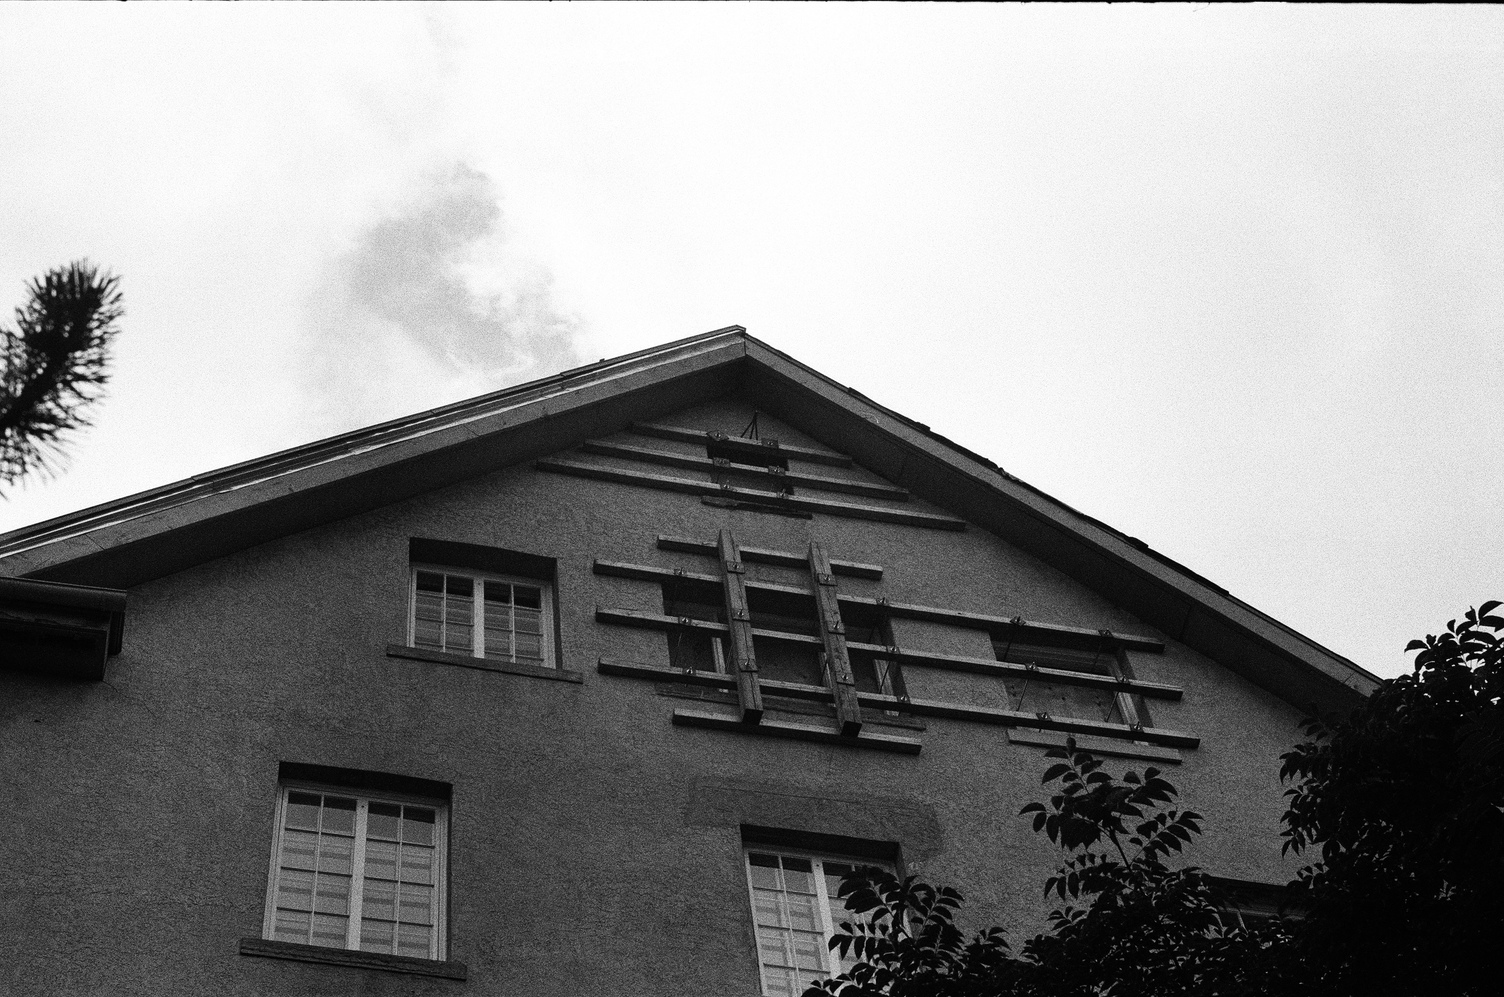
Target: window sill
(796, 732)
(1111, 747)
(482, 664)
(359, 960)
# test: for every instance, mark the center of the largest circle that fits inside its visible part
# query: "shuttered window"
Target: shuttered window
(484, 616)
(357, 872)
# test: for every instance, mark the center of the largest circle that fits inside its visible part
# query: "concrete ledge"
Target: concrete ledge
(483, 664)
(1110, 747)
(359, 960)
(796, 732)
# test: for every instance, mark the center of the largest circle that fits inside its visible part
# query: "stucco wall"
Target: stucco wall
(594, 848)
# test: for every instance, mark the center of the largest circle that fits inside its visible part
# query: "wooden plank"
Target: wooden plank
(782, 559)
(801, 503)
(930, 659)
(694, 463)
(917, 707)
(1037, 721)
(702, 437)
(658, 621)
(1010, 669)
(1026, 631)
(833, 633)
(739, 623)
(796, 732)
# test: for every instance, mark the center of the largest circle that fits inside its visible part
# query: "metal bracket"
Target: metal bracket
(735, 567)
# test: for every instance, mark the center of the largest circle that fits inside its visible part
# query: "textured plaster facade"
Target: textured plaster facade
(594, 848)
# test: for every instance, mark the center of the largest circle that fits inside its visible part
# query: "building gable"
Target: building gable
(612, 421)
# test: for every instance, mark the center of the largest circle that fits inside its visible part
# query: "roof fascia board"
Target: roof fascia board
(127, 542)
(1179, 602)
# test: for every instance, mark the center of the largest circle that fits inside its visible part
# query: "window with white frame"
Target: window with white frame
(481, 615)
(796, 909)
(351, 871)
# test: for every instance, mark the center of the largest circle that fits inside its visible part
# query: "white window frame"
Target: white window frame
(438, 943)
(829, 926)
(478, 626)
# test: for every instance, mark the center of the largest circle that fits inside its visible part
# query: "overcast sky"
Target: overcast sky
(1227, 277)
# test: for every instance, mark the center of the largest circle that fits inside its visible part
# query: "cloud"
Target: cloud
(429, 306)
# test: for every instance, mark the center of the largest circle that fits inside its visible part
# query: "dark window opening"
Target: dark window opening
(752, 453)
(690, 649)
(1034, 694)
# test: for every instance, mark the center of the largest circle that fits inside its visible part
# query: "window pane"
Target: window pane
(303, 811)
(299, 849)
(499, 593)
(339, 815)
(798, 875)
(528, 621)
(768, 909)
(381, 860)
(417, 864)
(376, 936)
(459, 585)
(528, 597)
(329, 930)
(417, 904)
(803, 915)
(332, 895)
(413, 940)
(335, 853)
(417, 825)
(529, 647)
(291, 926)
(781, 983)
(382, 821)
(379, 899)
(773, 947)
(295, 889)
(764, 871)
(807, 951)
(430, 581)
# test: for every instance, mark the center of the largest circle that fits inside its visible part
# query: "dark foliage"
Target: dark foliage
(1403, 801)
(54, 364)
(1129, 925)
(1401, 805)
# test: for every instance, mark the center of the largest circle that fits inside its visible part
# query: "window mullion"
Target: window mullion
(357, 875)
(478, 618)
(826, 918)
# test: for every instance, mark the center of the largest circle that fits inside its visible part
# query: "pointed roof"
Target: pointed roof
(167, 529)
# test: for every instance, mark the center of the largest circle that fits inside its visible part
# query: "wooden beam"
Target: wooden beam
(691, 462)
(920, 707)
(739, 623)
(1024, 631)
(930, 659)
(795, 503)
(796, 732)
(782, 559)
(833, 633)
(1010, 669)
(702, 437)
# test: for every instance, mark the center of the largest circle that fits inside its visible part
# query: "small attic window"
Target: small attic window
(750, 453)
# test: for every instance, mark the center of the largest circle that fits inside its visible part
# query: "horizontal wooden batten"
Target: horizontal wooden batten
(1009, 669)
(1021, 630)
(694, 463)
(1036, 721)
(798, 503)
(796, 732)
(659, 621)
(700, 436)
(915, 707)
(782, 559)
